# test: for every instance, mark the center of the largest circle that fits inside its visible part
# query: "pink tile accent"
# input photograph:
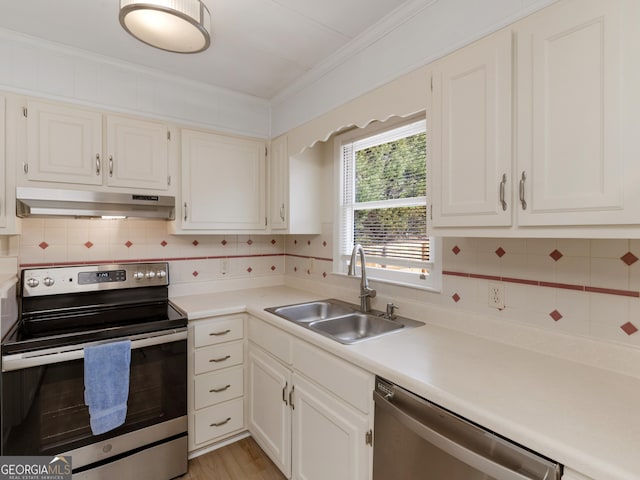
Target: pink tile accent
(273, 268)
(195, 243)
(629, 328)
(324, 244)
(556, 315)
(195, 273)
(308, 242)
(324, 274)
(43, 245)
(308, 272)
(295, 269)
(295, 242)
(629, 258)
(223, 242)
(128, 244)
(611, 291)
(456, 297)
(249, 269)
(566, 286)
(273, 241)
(249, 242)
(500, 252)
(456, 250)
(88, 244)
(556, 255)
(164, 243)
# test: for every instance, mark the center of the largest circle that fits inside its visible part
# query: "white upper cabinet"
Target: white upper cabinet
(223, 183)
(137, 154)
(295, 189)
(65, 145)
(470, 121)
(573, 167)
(569, 124)
(279, 184)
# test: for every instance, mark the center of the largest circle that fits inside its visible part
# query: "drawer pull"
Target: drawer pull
(221, 359)
(219, 424)
(218, 390)
(217, 334)
(284, 389)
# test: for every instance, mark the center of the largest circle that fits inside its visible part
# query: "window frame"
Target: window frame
(433, 281)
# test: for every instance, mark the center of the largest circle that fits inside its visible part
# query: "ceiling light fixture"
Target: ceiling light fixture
(181, 26)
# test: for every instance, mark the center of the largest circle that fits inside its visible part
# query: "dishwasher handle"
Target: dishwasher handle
(477, 461)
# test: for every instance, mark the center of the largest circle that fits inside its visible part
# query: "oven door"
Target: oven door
(43, 410)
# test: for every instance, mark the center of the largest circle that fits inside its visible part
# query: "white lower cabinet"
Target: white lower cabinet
(216, 370)
(312, 430)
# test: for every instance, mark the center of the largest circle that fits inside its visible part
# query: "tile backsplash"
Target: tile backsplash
(193, 258)
(580, 287)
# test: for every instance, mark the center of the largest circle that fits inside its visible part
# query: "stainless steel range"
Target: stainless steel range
(67, 309)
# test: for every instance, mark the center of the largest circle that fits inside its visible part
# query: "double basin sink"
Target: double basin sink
(342, 321)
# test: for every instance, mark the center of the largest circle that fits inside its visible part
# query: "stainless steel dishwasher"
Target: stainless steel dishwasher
(415, 439)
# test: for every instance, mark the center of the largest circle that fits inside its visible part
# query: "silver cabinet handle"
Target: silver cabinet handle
(284, 389)
(185, 211)
(218, 390)
(217, 334)
(282, 212)
(503, 183)
(219, 424)
(97, 164)
(523, 202)
(291, 397)
(111, 165)
(221, 359)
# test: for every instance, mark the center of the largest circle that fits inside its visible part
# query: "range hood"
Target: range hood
(51, 202)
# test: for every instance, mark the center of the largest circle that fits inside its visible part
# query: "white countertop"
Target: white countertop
(581, 416)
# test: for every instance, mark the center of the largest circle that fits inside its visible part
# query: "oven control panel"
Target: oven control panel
(90, 278)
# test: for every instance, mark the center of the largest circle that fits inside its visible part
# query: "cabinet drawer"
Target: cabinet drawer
(275, 341)
(223, 330)
(218, 387)
(341, 378)
(219, 420)
(216, 357)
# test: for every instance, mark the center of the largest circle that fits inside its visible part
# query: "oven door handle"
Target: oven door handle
(37, 358)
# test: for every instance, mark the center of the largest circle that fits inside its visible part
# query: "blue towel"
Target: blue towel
(106, 384)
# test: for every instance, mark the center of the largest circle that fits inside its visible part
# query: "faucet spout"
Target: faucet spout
(366, 293)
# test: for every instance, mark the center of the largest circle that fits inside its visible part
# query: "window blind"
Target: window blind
(384, 198)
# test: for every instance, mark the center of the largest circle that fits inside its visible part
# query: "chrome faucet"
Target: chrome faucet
(366, 293)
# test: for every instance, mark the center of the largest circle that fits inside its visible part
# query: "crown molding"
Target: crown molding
(379, 30)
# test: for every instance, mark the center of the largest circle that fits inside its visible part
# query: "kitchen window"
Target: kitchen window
(383, 203)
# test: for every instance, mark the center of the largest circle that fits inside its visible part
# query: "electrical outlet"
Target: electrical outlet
(311, 265)
(224, 266)
(496, 295)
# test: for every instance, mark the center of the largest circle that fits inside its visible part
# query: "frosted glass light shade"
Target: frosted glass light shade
(181, 26)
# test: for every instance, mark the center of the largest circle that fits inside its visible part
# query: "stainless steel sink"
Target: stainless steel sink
(341, 321)
(354, 327)
(312, 311)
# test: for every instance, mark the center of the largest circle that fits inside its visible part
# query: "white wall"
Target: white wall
(440, 28)
(45, 69)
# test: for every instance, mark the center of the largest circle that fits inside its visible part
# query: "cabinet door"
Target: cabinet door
(279, 184)
(470, 122)
(137, 154)
(64, 144)
(329, 438)
(269, 414)
(3, 166)
(569, 110)
(223, 182)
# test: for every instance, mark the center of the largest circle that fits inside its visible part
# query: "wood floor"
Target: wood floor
(242, 460)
